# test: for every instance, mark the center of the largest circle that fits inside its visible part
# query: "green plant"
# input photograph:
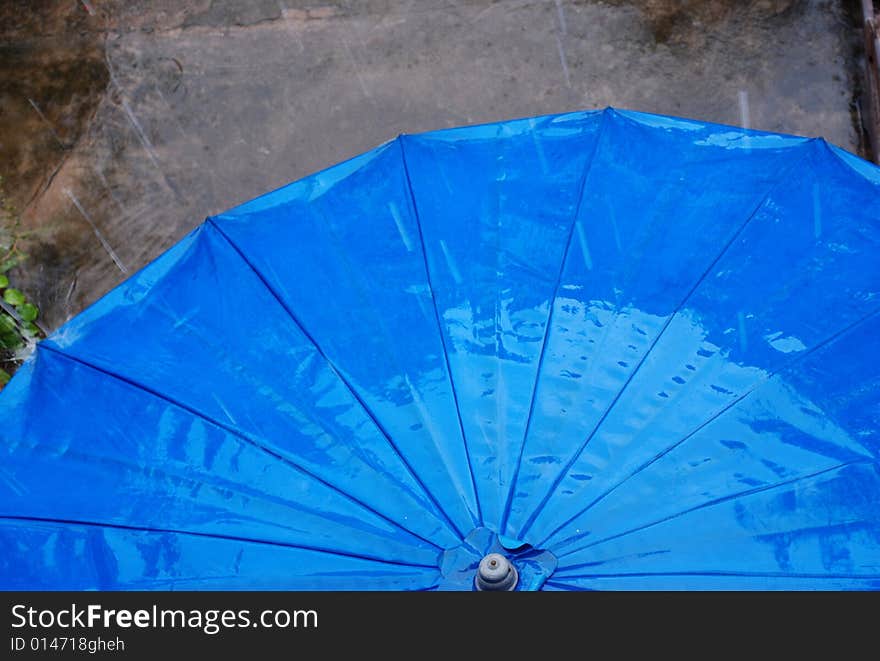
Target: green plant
(19, 330)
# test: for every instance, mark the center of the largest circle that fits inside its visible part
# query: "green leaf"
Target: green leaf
(4, 281)
(4, 377)
(7, 323)
(28, 312)
(10, 340)
(13, 297)
(31, 328)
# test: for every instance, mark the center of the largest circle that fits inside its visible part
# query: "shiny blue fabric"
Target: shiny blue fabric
(629, 351)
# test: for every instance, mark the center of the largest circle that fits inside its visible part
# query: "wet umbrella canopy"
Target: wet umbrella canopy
(594, 350)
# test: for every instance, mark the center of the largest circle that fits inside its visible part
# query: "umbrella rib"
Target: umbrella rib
(588, 166)
(221, 485)
(712, 418)
(328, 225)
(208, 535)
(835, 152)
(345, 382)
(711, 503)
(844, 527)
(237, 434)
(745, 574)
(557, 481)
(467, 451)
(499, 390)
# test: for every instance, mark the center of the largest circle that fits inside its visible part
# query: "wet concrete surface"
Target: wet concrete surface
(124, 124)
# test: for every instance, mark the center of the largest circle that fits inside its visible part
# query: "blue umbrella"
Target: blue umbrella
(591, 350)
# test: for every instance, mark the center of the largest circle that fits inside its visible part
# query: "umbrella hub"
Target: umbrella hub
(496, 573)
(517, 565)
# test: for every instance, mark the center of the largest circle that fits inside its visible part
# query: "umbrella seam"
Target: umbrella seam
(710, 572)
(412, 197)
(715, 501)
(363, 290)
(588, 167)
(217, 485)
(194, 533)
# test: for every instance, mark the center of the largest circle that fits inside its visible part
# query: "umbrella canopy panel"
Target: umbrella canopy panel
(622, 350)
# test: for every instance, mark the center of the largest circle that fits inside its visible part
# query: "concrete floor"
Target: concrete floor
(126, 123)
